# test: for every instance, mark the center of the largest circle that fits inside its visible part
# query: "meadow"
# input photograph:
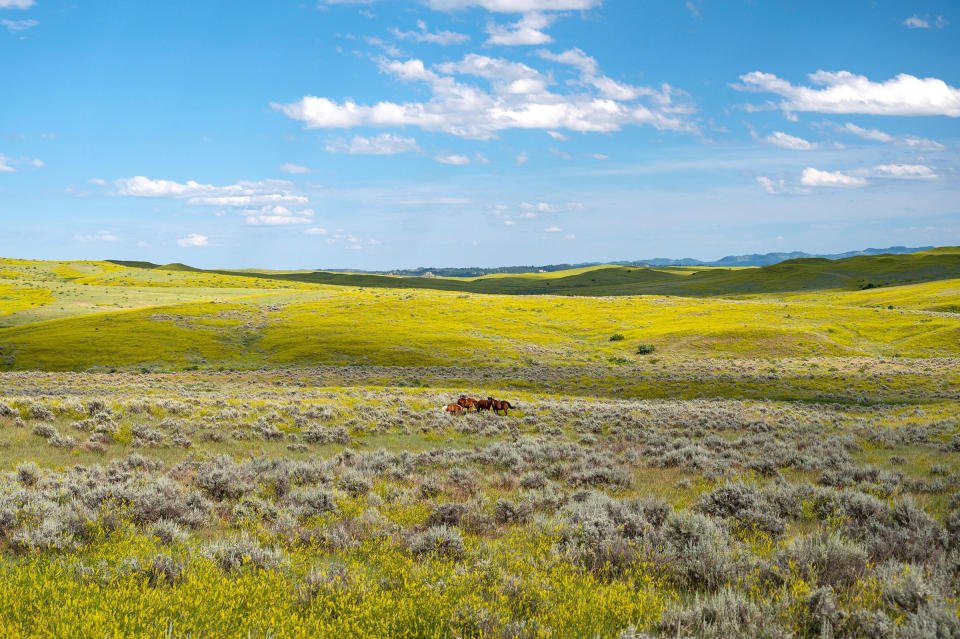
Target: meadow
(188, 453)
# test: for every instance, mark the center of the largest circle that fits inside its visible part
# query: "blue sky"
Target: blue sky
(380, 134)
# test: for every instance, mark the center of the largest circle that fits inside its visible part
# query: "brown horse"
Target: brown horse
(484, 404)
(467, 403)
(500, 405)
(453, 408)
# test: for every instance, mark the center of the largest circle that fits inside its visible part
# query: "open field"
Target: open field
(326, 502)
(198, 454)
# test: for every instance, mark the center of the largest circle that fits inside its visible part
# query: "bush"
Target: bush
(45, 430)
(617, 337)
(440, 540)
(645, 349)
(233, 555)
(833, 560)
(725, 614)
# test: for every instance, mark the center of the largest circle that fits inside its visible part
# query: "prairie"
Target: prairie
(187, 453)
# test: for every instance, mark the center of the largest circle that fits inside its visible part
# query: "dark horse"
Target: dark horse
(467, 402)
(499, 405)
(484, 404)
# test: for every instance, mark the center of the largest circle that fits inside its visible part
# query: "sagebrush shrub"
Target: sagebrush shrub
(441, 540)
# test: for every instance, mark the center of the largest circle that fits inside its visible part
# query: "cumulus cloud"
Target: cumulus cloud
(844, 92)
(553, 229)
(518, 98)
(815, 177)
(384, 144)
(458, 160)
(99, 236)
(16, 4)
(19, 25)
(525, 32)
(422, 34)
(876, 135)
(241, 194)
(296, 169)
(785, 141)
(905, 171)
(5, 165)
(315, 231)
(194, 240)
(607, 87)
(278, 216)
(924, 22)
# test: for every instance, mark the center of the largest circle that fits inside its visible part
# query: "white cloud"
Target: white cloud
(296, 169)
(522, 158)
(540, 207)
(37, 163)
(845, 92)
(556, 135)
(247, 200)
(458, 160)
(815, 177)
(525, 32)
(383, 144)
(905, 171)
(16, 4)
(518, 99)
(315, 231)
(783, 140)
(423, 34)
(511, 78)
(194, 240)
(910, 141)
(97, 181)
(515, 6)
(19, 25)
(99, 236)
(278, 216)
(590, 75)
(5, 165)
(553, 229)
(769, 185)
(241, 194)
(597, 156)
(924, 22)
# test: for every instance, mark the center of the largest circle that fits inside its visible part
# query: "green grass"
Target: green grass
(808, 274)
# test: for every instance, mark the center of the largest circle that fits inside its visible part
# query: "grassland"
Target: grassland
(188, 453)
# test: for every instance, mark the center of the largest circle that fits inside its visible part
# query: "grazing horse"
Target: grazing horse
(467, 403)
(500, 405)
(484, 404)
(453, 408)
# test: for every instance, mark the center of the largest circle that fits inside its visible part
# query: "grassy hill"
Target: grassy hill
(806, 274)
(78, 315)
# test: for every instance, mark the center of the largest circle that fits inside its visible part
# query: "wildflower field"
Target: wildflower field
(207, 455)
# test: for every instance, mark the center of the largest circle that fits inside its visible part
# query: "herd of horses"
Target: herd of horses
(466, 404)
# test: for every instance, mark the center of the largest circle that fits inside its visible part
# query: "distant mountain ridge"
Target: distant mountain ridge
(754, 259)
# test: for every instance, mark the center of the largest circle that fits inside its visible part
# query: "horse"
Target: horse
(500, 405)
(467, 402)
(484, 404)
(453, 408)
